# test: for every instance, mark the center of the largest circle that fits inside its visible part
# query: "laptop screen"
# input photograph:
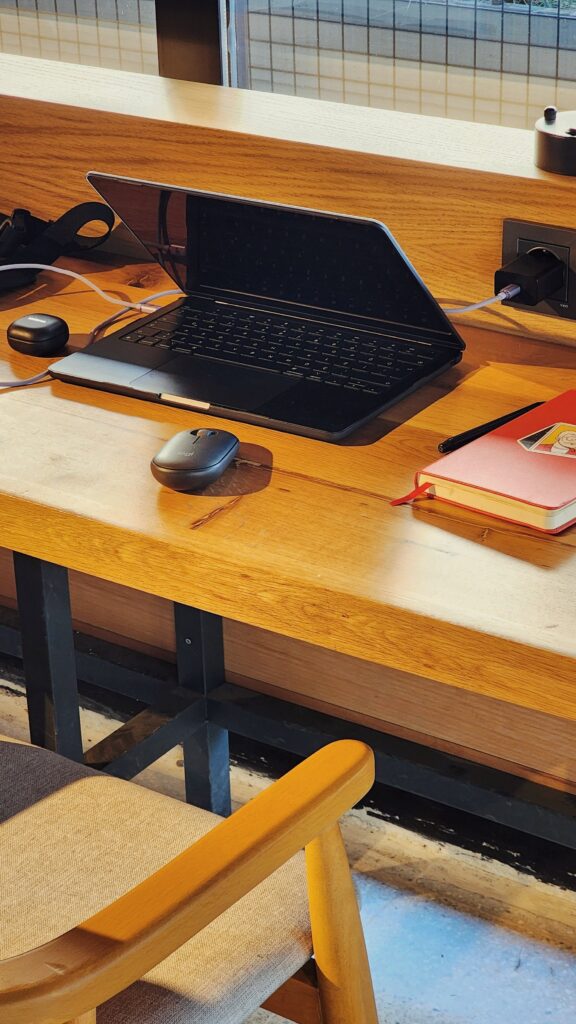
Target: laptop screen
(227, 247)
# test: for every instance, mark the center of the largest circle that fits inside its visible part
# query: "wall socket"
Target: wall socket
(520, 236)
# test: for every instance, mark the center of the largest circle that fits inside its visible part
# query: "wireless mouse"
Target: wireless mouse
(192, 459)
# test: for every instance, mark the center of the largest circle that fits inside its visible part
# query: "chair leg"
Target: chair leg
(298, 999)
(344, 981)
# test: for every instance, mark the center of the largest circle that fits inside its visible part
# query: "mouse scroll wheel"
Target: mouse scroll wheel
(205, 433)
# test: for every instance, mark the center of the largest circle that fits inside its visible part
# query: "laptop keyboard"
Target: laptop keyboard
(356, 360)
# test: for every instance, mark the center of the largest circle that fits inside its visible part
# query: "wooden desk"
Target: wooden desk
(300, 541)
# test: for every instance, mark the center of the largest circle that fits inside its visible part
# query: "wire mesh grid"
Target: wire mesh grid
(108, 33)
(487, 60)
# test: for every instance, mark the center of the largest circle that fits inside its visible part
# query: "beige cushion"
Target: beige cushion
(72, 840)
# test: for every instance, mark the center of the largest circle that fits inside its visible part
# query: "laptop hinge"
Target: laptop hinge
(331, 319)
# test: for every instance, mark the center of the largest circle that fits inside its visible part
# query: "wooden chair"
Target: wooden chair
(186, 918)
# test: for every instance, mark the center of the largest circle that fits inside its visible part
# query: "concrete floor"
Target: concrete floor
(453, 936)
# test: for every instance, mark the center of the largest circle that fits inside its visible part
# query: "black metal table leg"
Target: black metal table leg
(200, 663)
(48, 655)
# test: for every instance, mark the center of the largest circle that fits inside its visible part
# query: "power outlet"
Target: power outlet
(520, 236)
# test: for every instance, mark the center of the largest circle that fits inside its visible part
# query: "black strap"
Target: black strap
(28, 239)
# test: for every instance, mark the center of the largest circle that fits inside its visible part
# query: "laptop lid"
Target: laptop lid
(281, 257)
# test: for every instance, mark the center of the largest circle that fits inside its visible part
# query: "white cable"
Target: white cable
(127, 309)
(45, 375)
(27, 380)
(79, 277)
(506, 293)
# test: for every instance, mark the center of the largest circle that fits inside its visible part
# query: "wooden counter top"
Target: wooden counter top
(300, 539)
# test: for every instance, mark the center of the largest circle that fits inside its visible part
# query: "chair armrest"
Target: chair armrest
(92, 962)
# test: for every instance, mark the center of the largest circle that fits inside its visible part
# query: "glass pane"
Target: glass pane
(107, 33)
(497, 61)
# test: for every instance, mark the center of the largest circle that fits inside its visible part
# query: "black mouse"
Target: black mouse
(38, 334)
(193, 459)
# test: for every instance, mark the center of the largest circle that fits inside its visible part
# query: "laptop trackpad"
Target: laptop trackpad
(206, 380)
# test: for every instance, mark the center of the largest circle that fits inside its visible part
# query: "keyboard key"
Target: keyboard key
(405, 361)
(357, 360)
(362, 376)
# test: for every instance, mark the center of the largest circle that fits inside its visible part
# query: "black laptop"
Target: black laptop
(296, 319)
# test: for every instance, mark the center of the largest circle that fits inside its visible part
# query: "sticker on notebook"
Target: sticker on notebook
(557, 439)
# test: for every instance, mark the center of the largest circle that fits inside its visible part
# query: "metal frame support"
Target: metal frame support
(446, 779)
(174, 715)
(148, 735)
(200, 665)
(203, 707)
(48, 655)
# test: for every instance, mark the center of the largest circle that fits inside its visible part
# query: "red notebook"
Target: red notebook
(524, 471)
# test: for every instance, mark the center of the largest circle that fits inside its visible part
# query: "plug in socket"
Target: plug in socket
(539, 273)
(521, 236)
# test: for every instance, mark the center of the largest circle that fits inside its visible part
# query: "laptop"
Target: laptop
(297, 319)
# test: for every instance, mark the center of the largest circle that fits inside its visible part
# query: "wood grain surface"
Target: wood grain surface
(442, 187)
(299, 538)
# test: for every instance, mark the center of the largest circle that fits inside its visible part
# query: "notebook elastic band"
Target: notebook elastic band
(416, 493)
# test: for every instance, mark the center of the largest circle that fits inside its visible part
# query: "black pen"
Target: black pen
(459, 440)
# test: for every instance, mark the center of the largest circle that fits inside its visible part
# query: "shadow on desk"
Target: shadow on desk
(250, 472)
(48, 286)
(545, 550)
(403, 410)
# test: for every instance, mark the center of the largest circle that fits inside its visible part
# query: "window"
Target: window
(109, 33)
(498, 61)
